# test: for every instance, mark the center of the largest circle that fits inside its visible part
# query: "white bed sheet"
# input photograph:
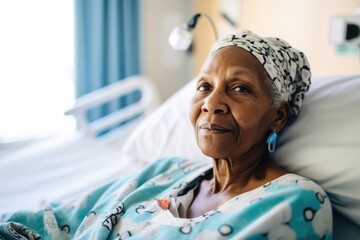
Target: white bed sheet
(44, 173)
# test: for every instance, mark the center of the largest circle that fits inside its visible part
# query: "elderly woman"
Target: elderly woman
(248, 89)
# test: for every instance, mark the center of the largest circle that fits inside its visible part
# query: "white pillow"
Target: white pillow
(167, 132)
(323, 144)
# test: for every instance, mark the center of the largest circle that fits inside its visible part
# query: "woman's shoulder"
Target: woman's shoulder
(297, 182)
(290, 203)
(296, 187)
(308, 201)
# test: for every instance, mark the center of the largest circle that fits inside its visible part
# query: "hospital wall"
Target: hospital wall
(303, 23)
(167, 68)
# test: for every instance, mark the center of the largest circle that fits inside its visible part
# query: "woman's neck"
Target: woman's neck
(243, 174)
(231, 178)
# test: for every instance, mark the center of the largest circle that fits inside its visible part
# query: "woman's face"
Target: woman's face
(231, 110)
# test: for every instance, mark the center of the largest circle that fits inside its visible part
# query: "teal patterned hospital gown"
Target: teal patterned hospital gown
(139, 207)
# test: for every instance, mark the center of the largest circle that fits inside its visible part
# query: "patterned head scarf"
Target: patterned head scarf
(287, 67)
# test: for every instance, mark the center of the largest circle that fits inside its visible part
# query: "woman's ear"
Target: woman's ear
(281, 116)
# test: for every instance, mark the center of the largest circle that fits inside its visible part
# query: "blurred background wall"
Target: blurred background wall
(303, 23)
(169, 69)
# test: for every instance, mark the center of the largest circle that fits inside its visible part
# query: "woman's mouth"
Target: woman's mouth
(213, 128)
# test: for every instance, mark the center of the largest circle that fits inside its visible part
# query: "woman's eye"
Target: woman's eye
(242, 89)
(203, 87)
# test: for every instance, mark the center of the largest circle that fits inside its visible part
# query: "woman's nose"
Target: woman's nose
(215, 104)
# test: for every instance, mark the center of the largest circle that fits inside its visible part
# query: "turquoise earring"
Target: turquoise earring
(271, 141)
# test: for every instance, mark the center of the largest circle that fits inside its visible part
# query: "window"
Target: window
(36, 68)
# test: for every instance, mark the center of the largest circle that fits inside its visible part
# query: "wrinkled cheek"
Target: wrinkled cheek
(204, 144)
(194, 113)
(201, 139)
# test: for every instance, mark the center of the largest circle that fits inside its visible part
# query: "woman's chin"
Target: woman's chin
(217, 148)
(214, 154)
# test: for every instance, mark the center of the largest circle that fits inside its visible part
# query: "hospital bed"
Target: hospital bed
(59, 168)
(323, 144)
